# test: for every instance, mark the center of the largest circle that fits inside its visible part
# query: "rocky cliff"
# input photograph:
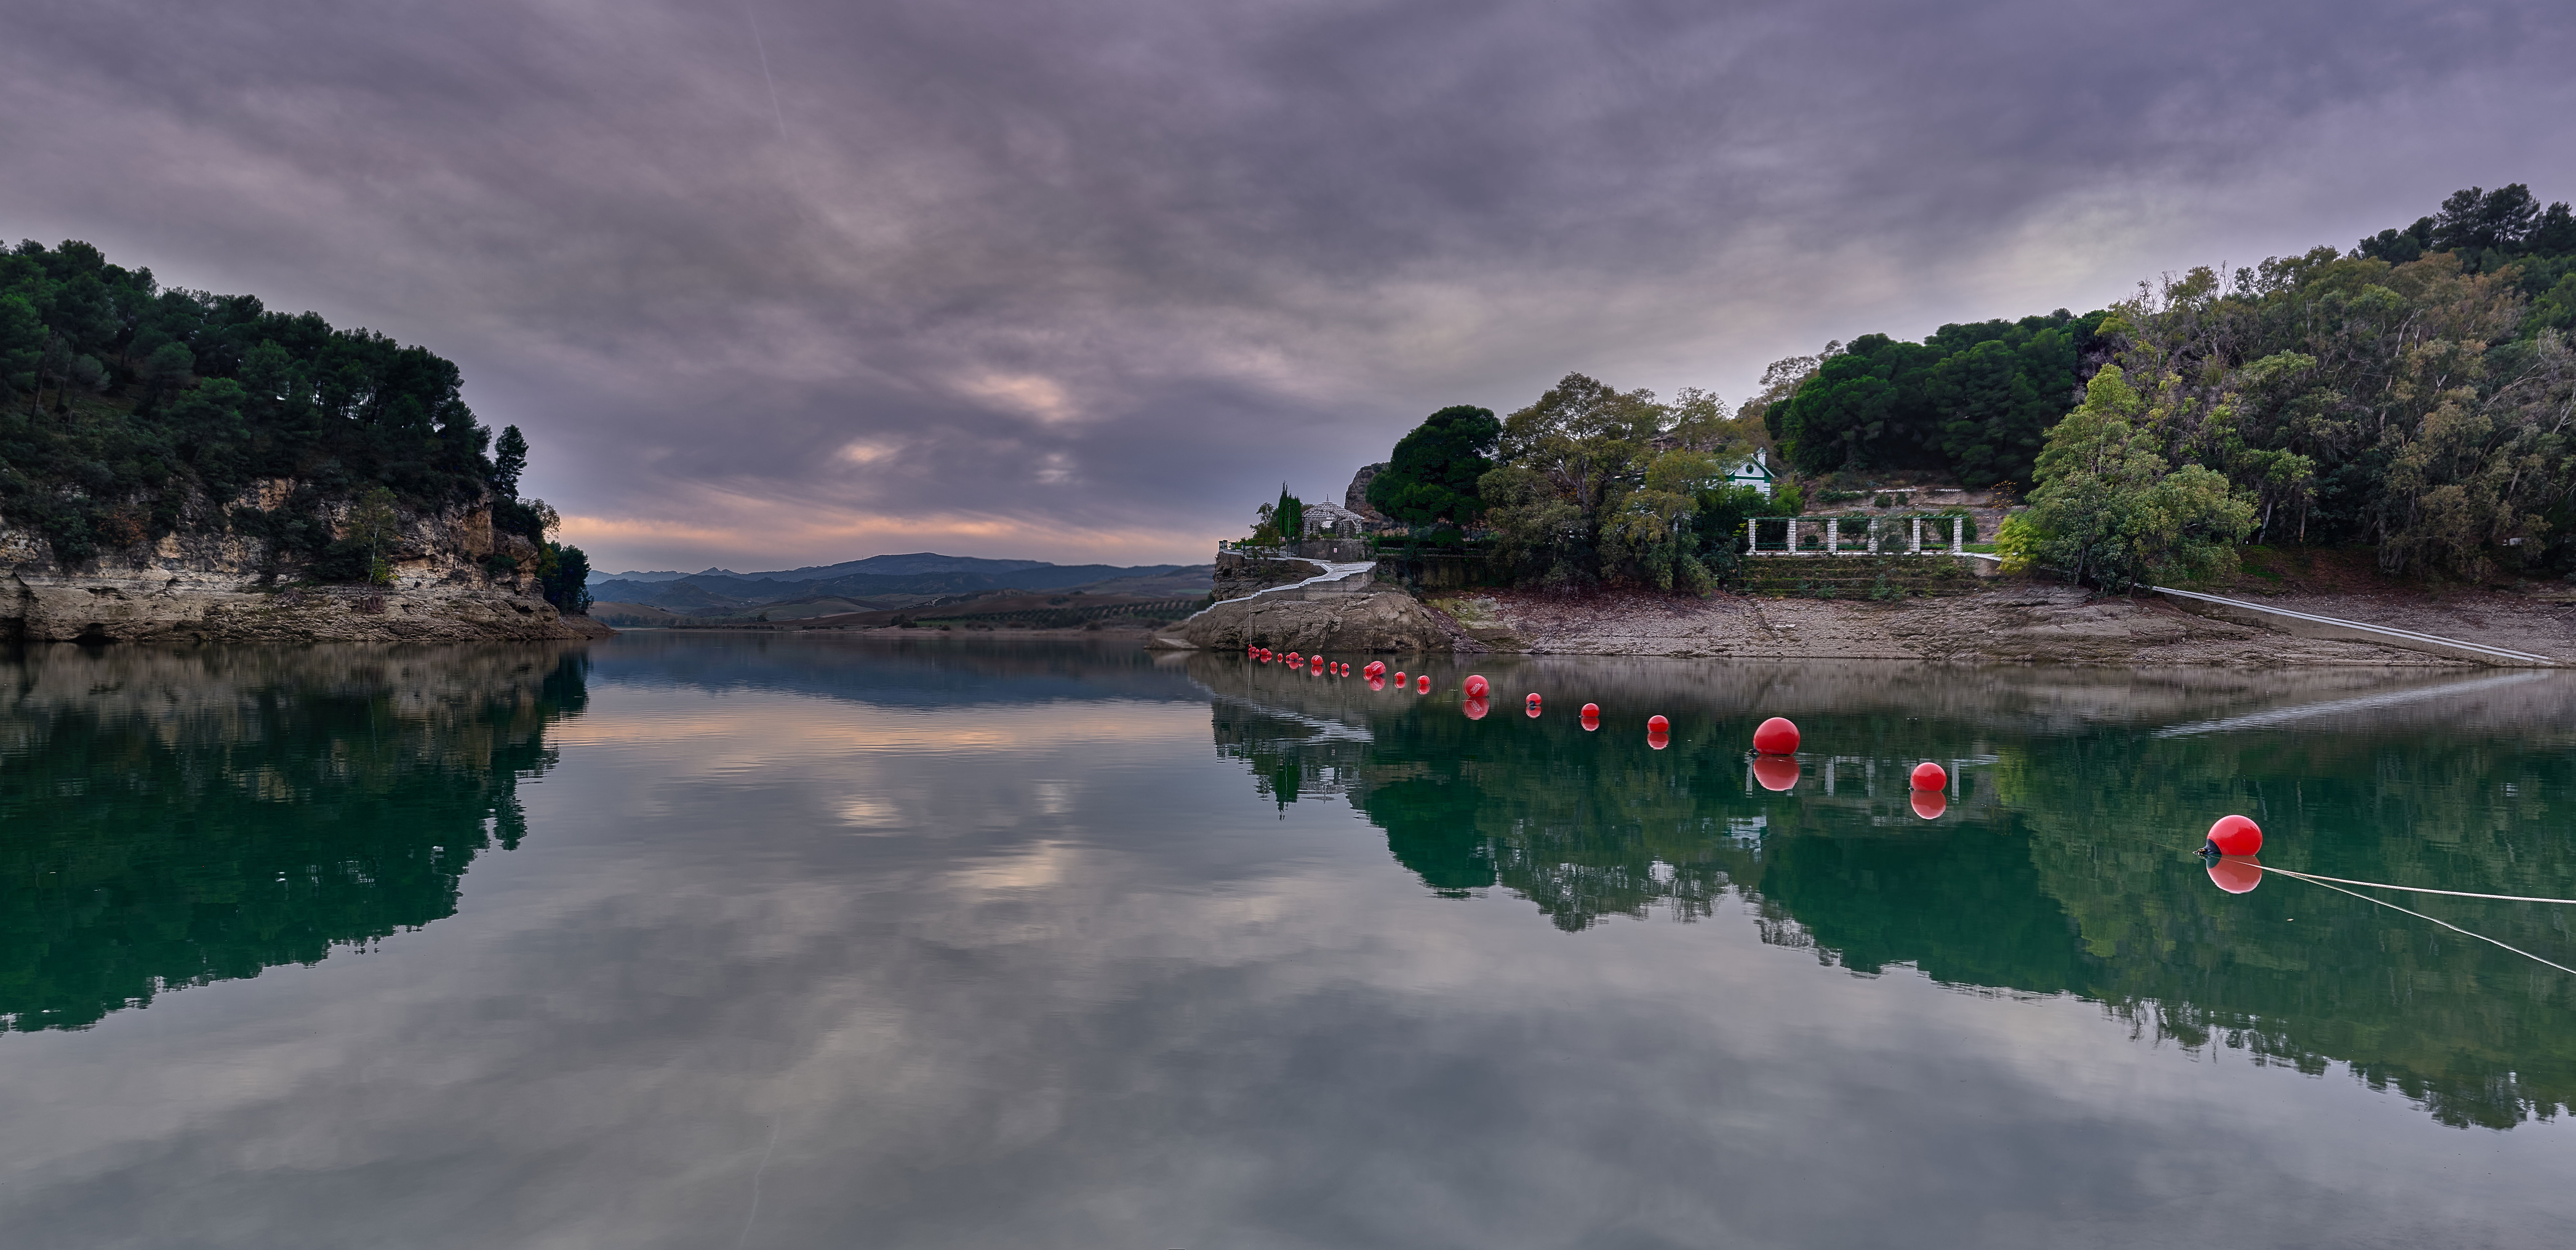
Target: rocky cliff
(216, 584)
(1387, 621)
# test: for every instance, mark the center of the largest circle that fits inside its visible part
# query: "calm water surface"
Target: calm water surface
(701, 941)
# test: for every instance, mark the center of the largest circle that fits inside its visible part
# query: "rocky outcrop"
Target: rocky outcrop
(1356, 498)
(1238, 574)
(215, 584)
(1388, 621)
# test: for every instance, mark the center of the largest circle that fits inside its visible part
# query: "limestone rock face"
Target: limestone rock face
(1356, 498)
(217, 585)
(1386, 621)
(1238, 575)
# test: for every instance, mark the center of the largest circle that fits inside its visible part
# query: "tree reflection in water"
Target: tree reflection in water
(2060, 865)
(174, 818)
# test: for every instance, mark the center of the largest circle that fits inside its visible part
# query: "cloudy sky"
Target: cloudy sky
(792, 282)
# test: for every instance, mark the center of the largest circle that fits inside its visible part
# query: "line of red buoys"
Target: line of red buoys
(2230, 846)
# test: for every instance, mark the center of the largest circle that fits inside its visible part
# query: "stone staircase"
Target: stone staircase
(1859, 576)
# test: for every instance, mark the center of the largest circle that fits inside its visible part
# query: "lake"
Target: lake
(744, 941)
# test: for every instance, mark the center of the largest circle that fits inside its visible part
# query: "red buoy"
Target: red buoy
(1376, 668)
(1399, 679)
(1929, 776)
(1476, 686)
(1776, 736)
(2235, 874)
(1316, 664)
(1591, 709)
(1422, 685)
(1476, 709)
(1591, 717)
(1929, 804)
(1532, 700)
(2235, 835)
(1658, 725)
(1775, 772)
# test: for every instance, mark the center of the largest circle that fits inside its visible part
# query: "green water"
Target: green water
(695, 940)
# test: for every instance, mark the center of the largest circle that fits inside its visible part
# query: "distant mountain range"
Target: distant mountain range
(878, 583)
(881, 566)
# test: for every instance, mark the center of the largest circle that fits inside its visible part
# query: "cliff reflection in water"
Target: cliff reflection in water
(2060, 865)
(174, 818)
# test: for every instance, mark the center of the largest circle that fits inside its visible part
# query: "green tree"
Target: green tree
(1265, 526)
(1851, 413)
(373, 526)
(509, 460)
(1431, 478)
(2474, 220)
(2107, 510)
(165, 370)
(564, 574)
(1653, 528)
(22, 344)
(1289, 516)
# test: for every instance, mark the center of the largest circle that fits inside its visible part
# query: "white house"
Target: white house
(1755, 472)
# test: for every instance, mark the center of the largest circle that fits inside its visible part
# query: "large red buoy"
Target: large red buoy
(1476, 686)
(1776, 736)
(2235, 874)
(1422, 684)
(1775, 772)
(1316, 664)
(1376, 668)
(1929, 804)
(2235, 835)
(1476, 709)
(1658, 725)
(1930, 776)
(1591, 717)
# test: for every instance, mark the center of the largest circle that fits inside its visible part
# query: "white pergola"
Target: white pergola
(1869, 542)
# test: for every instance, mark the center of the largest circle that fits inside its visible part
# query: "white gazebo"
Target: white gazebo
(1331, 520)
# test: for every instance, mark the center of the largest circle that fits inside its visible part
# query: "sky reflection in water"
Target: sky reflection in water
(940, 946)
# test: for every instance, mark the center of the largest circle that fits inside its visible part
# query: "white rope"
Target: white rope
(2414, 889)
(2421, 916)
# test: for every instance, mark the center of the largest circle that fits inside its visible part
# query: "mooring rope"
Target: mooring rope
(2421, 916)
(2414, 889)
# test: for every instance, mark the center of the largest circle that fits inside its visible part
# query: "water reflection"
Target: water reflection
(172, 818)
(2055, 863)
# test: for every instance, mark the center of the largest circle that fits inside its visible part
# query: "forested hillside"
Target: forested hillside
(2411, 395)
(128, 412)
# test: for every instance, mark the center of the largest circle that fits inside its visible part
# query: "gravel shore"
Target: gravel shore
(2017, 622)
